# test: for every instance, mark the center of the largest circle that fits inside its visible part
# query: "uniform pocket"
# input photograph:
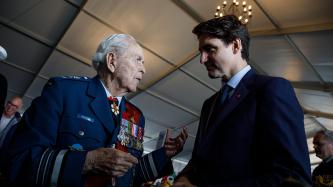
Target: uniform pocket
(81, 129)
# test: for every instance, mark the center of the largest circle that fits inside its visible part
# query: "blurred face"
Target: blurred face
(216, 56)
(130, 68)
(323, 147)
(12, 106)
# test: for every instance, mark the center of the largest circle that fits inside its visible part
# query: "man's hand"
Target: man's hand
(175, 145)
(108, 161)
(183, 182)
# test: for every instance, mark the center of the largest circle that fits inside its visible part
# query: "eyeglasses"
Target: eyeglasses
(12, 104)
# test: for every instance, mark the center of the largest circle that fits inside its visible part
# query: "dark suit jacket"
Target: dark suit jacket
(256, 138)
(3, 92)
(7, 133)
(71, 117)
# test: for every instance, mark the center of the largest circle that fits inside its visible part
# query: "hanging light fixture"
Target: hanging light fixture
(243, 11)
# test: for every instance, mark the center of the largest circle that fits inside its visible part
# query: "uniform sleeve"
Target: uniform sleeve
(152, 166)
(34, 159)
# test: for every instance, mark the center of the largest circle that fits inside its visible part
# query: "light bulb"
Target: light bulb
(250, 7)
(240, 17)
(221, 14)
(218, 7)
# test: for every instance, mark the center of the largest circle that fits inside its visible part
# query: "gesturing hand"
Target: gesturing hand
(108, 161)
(175, 145)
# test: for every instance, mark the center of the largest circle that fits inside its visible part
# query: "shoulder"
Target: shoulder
(68, 80)
(271, 83)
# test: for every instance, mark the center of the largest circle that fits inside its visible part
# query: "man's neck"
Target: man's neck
(8, 115)
(238, 67)
(113, 87)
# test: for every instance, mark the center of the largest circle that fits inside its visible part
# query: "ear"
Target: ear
(236, 45)
(111, 61)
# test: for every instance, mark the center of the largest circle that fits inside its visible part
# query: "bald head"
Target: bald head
(323, 144)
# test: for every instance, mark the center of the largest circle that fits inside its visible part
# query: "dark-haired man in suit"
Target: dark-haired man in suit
(251, 132)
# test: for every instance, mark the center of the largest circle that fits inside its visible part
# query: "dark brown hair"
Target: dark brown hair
(227, 28)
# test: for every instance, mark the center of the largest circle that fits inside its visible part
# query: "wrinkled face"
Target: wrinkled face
(130, 68)
(323, 147)
(216, 56)
(13, 106)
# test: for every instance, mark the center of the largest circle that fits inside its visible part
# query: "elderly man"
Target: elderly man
(10, 117)
(323, 145)
(83, 132)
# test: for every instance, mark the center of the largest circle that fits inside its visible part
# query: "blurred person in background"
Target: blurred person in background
(322, 175)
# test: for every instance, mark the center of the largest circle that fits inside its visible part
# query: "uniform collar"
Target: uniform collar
(108, 94)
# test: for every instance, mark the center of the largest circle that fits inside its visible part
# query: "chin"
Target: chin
(132, 89)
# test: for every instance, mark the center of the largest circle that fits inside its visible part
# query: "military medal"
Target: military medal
(114, 105)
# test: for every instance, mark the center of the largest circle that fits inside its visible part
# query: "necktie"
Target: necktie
(225, 93)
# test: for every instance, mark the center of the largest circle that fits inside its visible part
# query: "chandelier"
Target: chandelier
(243, 12)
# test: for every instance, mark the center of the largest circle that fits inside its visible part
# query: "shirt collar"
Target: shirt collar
(108, 94)
(234, 81)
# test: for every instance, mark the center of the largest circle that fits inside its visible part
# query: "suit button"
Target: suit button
(81, 133)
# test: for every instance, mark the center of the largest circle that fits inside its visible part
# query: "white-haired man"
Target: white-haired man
(83, 132)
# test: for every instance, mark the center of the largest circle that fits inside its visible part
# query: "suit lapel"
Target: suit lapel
(222, 112)
(100, 104)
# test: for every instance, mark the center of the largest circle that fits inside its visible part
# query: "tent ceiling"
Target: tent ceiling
(292, 39)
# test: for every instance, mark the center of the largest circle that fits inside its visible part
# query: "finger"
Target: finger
(127, 157)
(131, 159)
(171, 146)
(120, 168)
(168, 135)
(117, 173)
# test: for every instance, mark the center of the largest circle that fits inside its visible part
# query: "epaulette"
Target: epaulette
(67, 78)
(74, 77)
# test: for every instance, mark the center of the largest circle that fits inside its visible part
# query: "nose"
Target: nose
(143, 69)
(203, 57)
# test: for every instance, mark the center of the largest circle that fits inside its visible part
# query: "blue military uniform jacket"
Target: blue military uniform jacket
(255, 138)
(73, 116)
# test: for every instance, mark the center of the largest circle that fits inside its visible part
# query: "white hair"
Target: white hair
(115, 43)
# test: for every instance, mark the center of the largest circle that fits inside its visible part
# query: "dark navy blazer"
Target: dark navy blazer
(72, 116)
(256, 138)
